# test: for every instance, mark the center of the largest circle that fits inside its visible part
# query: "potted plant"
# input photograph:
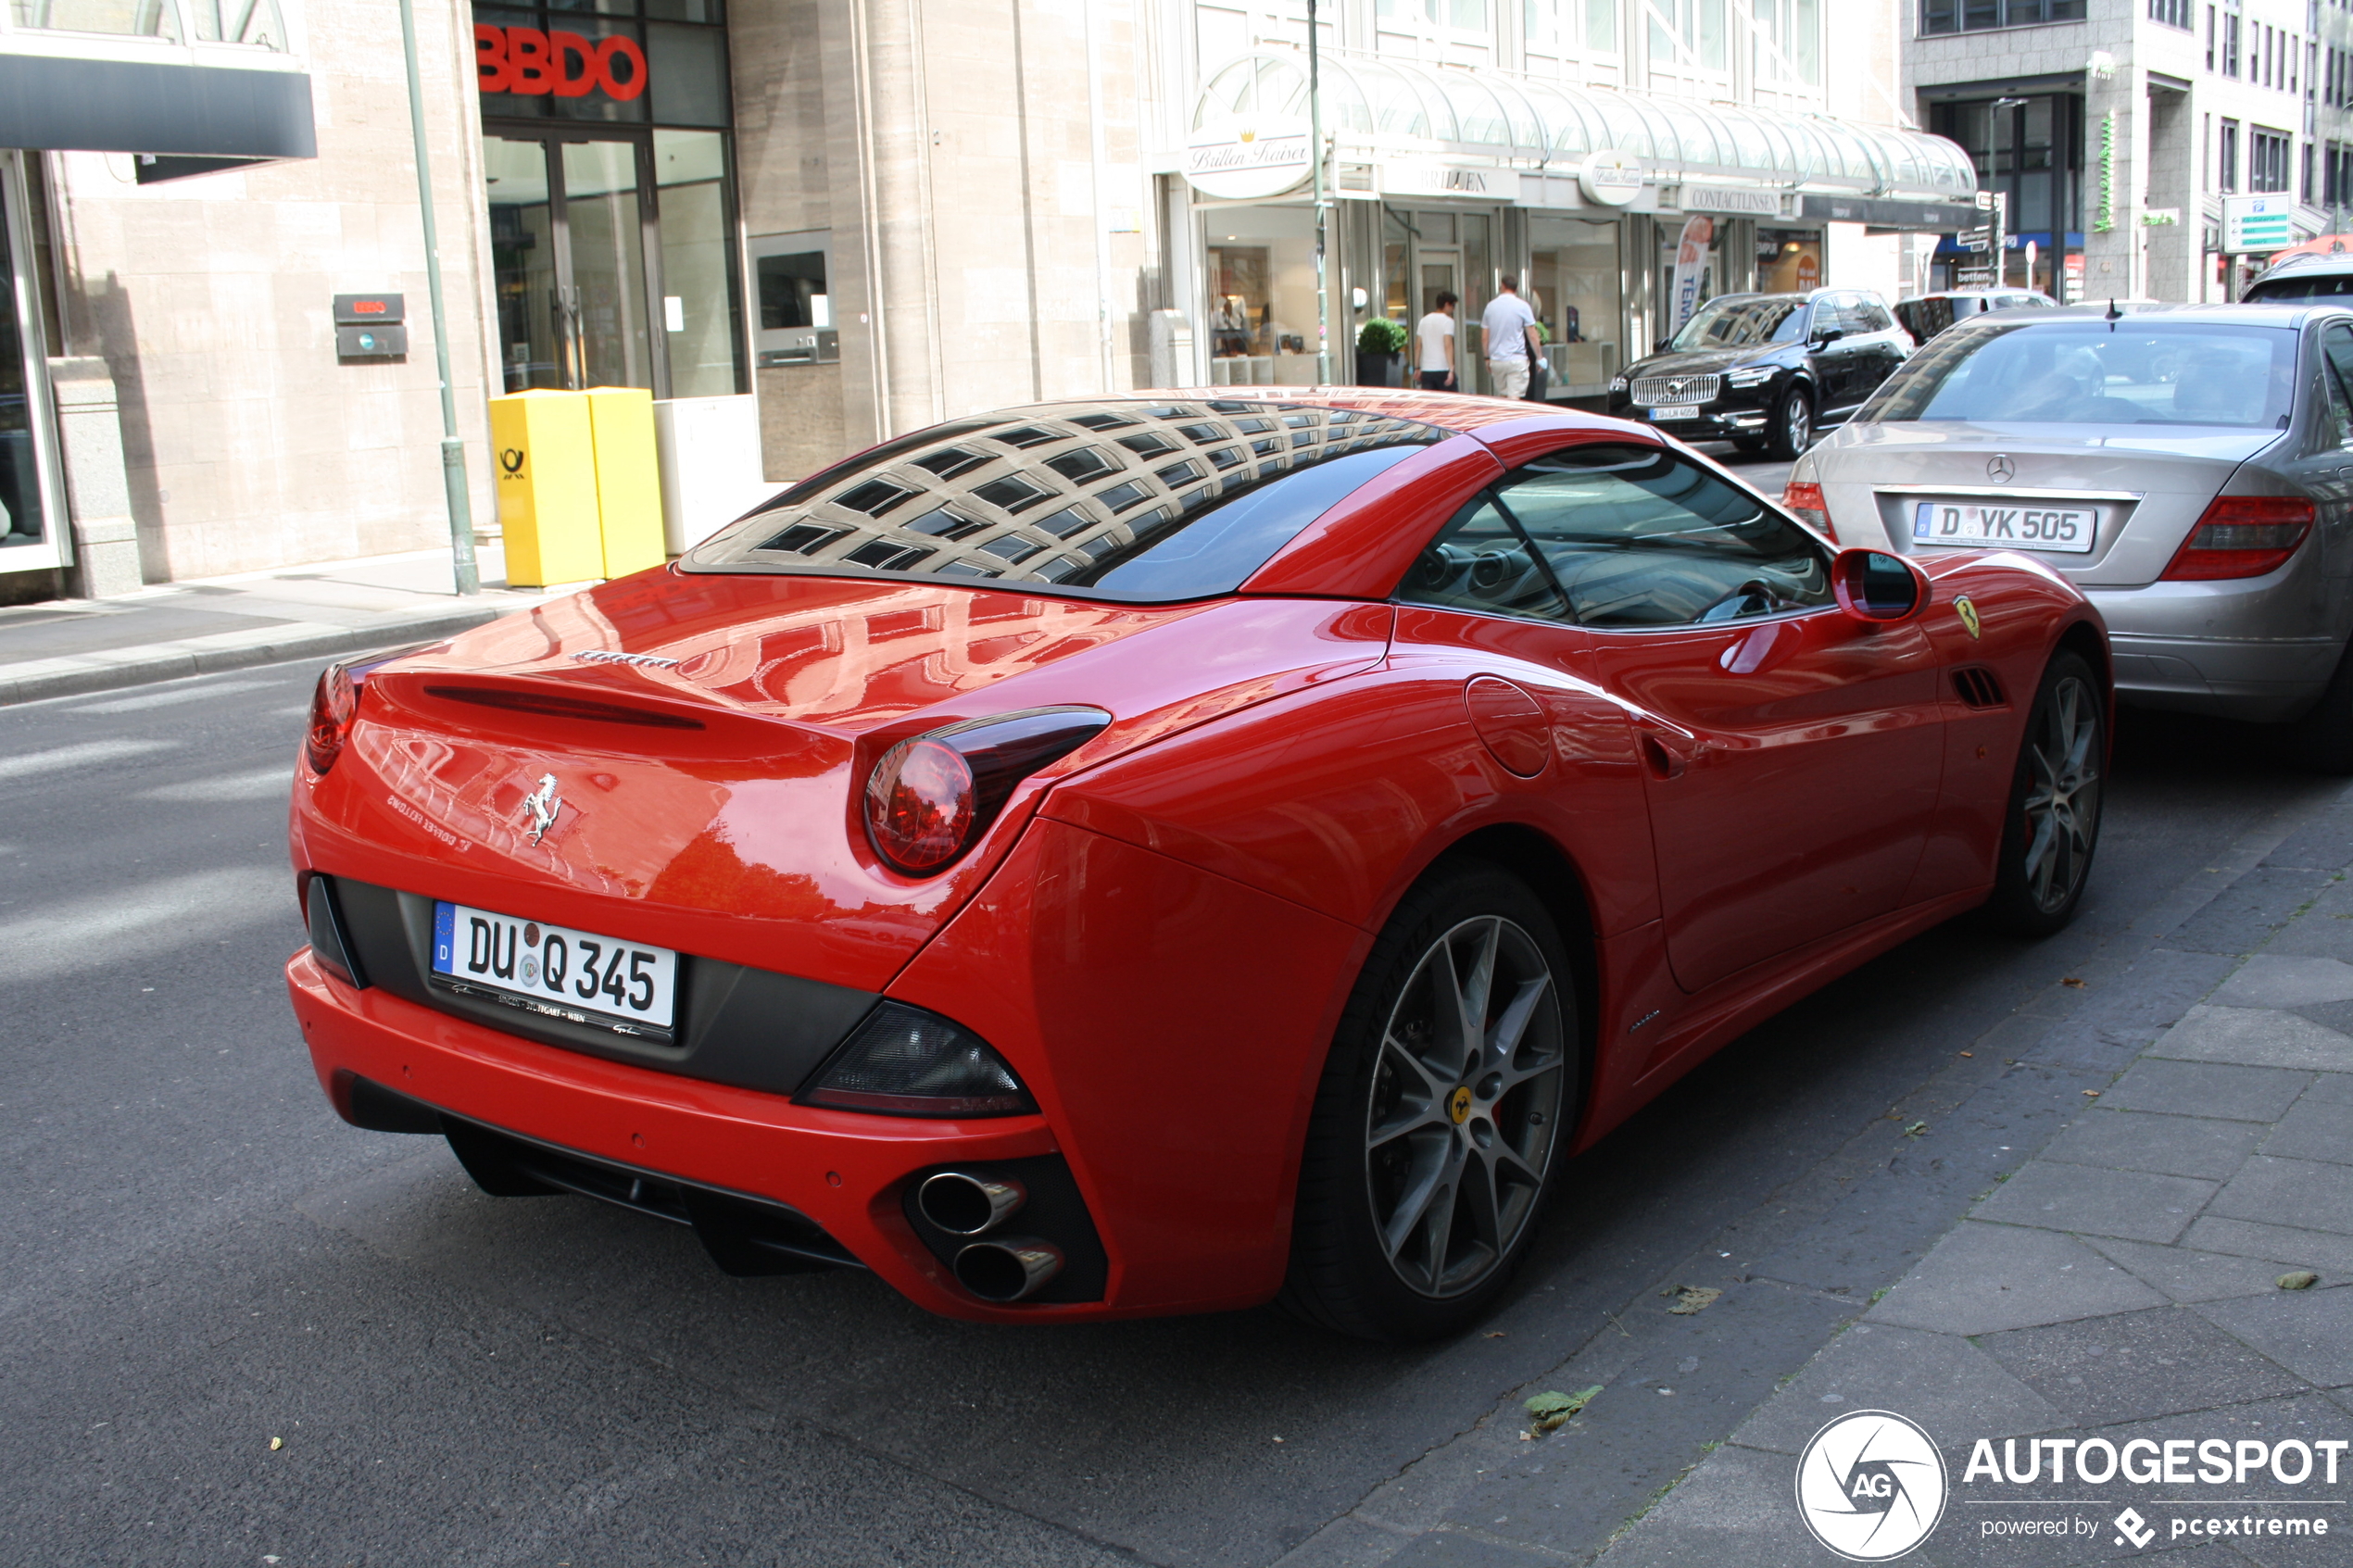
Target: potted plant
(1379, 345)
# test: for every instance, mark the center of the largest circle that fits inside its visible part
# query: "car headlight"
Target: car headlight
(1617, 384)
(1750, 375)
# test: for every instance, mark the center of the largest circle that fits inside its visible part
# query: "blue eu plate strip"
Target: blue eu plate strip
(445, 921)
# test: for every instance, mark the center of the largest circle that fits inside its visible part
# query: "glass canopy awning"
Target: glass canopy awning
(1527, 122)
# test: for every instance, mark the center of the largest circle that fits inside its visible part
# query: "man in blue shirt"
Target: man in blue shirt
(1509, 329)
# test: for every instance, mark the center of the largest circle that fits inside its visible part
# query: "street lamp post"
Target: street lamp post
(2001, 237)
(1323, 206)
(453, 448)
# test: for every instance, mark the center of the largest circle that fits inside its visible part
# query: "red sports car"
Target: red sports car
(1164, 853)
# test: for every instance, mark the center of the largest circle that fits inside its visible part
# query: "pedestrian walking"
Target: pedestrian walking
(1434, 347)
(1509, 327)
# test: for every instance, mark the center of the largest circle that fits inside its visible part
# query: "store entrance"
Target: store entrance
(609, 256)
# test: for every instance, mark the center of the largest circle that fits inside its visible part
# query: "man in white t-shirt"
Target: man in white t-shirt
(1509, 327)
(1434, 347)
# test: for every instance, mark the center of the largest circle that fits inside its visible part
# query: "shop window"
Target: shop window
(1262, 297)
(698, 288)
(1788, 260)
(1573, 287)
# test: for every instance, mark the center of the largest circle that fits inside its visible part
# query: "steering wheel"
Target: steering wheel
(1731, 603)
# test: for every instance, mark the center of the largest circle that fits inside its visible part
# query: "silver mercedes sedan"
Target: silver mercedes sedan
(2190, 467)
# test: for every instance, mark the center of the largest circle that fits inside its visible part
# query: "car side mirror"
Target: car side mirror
(1877, 588)
(1827, 335)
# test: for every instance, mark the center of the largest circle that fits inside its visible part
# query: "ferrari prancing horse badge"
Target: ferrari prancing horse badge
(1968, 614)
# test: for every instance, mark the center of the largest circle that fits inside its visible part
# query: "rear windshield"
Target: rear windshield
(2315, 284)
(1150, 502)
(2094, 371)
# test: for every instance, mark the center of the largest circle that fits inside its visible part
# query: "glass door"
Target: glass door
(523, 262)
(1441, 272)
(32, 529)
(603, 246)
(575, 259)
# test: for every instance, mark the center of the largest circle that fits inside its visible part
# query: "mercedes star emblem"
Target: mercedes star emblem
(541, 806)
(1999, 469)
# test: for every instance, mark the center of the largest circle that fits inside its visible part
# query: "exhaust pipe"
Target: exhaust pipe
(1008, 1269)
(966, 1203)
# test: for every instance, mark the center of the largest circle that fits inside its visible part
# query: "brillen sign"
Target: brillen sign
(525, 61)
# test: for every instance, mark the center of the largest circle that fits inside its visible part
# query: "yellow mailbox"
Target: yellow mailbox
(620, 421)
(548, 502)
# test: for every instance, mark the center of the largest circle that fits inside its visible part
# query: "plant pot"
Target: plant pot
(1377, 369)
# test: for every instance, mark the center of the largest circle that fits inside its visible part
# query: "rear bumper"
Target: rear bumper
(2262, 650)
(846, 1174)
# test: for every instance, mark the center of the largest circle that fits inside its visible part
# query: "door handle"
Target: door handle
(1667, 748)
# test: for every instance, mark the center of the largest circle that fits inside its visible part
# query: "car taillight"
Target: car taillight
(2242, 536)
(335, 700)
(931, 795)
(332, 703)
(1805, 500)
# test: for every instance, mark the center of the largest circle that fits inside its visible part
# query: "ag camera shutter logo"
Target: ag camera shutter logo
(1870, 1486)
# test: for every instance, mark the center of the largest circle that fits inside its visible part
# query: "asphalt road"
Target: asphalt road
(204, 1261)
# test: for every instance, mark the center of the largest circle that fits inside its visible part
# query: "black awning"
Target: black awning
(1927, 217)
(145, 107)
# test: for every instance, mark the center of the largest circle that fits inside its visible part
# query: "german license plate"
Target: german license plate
(629, 987)
(1680, 411)
(2027, 525)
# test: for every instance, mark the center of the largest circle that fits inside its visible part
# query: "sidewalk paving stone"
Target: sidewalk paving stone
(1940, 1380)
(2181, 1088)
(2307, 1194)
(2132, 1204)
(2238, 920)
(2308, 1332)
(2170, 1145)
(2256, 1037)
(2269, 979)
(2314, 1129)
(2189, 1276)
(1983, 1279)
(2133, 1366)
(2328, 1256)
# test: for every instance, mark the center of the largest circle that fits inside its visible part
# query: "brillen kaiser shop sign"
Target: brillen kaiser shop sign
(1245, 157)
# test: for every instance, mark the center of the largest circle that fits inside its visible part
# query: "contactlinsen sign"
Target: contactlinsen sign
(525, 61)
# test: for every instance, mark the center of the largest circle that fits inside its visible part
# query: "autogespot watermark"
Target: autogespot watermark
(1872, 1485)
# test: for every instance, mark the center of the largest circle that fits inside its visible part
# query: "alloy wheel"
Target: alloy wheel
(2062, 793)
(1798, 422)
(1466, 1106)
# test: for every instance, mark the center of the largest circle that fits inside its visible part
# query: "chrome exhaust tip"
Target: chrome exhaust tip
(965, 1203)
(1009, 1269)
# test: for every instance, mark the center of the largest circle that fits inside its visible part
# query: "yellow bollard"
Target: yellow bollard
(628, 478)
(548, 506)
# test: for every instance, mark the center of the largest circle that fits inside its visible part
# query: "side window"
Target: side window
(1875, 317)
(2336, 372)
(1482, 562)
(1638, 536)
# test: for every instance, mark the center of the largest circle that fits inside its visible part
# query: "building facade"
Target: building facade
(857, 217)
(2116, 130)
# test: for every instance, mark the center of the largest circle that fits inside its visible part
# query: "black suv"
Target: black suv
(1765, 370)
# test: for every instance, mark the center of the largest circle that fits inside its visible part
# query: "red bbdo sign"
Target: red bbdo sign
(525, 61)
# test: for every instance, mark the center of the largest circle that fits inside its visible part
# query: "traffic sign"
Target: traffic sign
(2261, 223)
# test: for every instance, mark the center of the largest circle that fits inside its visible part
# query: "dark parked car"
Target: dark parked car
(1765, 370)
(1929, 314)
(2308, 276)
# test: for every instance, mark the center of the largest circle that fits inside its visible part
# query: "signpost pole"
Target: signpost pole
(453, 448)
(1323, 209)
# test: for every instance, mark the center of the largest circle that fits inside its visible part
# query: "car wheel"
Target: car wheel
(2323, 739)
(1450, 1087)
(1793, 424)
(2052, 823)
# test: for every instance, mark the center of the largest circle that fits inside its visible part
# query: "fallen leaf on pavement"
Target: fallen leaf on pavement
(2301, 1279)
(1693, 1299)
(1915, 1129)
(2070, 980)
(1553, 1408)
(276, 1443)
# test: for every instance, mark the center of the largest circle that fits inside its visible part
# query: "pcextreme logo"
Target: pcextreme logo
(1870, 1486)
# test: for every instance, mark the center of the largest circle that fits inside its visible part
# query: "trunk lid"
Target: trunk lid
(2147, 487)
(710, 736)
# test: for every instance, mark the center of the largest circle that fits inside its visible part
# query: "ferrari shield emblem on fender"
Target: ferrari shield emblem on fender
(1967, 613)
(542, 804)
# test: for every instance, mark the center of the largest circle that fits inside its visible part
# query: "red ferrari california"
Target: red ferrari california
(1167, 853)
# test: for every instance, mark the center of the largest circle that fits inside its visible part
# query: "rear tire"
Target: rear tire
(2052, 824)
(1793, 424)
(2323, 739)
(1426, 1162)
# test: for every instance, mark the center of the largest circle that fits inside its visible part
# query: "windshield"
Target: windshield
(2316, 284)
(2094, 371)
(1150, 502)
(1741, 323)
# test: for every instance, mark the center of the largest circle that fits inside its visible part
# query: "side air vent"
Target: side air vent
(1978, 686)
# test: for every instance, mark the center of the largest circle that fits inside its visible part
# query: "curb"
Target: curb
(136, 667)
